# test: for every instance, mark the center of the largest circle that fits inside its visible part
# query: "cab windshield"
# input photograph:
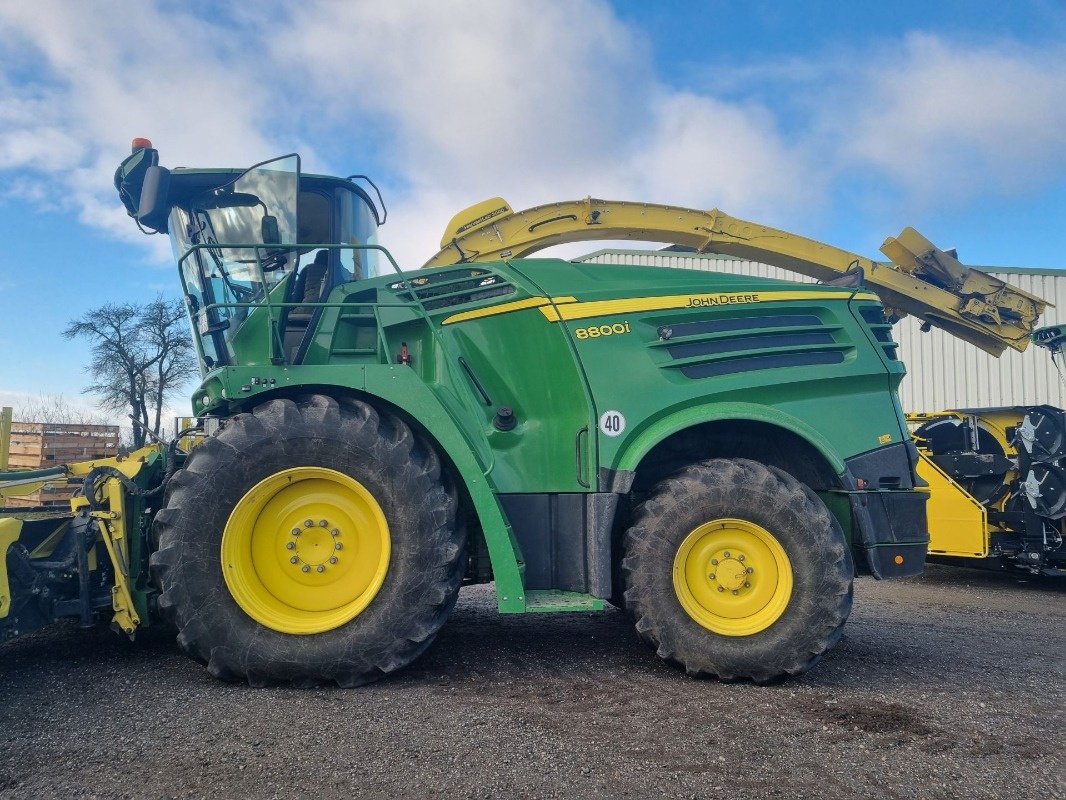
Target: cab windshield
(235, 244)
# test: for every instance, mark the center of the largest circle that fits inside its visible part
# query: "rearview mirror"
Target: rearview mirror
(152, 209)
(270, 233)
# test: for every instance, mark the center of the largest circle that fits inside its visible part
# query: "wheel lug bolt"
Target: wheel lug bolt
(338, 546)
(735, 591)
(323, 524)
(726, 554)
(334, 532)
(309, 523)
(721, 588)
(321, 568)
(333, 559)
(294, 560)
(306, 567)
(711, 576)
(749, 570)
(295, 531)
(747, 585)
(290, 545)
(740, 557)
(714, 561)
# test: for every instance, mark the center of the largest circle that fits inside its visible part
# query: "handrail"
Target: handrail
(277, 348)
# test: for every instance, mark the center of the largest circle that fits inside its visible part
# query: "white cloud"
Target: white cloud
(106, 74)
(953, 121)
(537, 101)
(474, 90)
(702, 149)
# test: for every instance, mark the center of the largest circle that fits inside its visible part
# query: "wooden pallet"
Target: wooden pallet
(57, 494)
(37, 445)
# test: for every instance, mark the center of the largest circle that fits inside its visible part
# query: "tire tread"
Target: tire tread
(203, 616)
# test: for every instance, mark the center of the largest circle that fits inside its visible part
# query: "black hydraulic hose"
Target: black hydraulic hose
(96, 474)
(84, 588)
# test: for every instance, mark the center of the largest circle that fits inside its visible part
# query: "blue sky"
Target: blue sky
(841, 121)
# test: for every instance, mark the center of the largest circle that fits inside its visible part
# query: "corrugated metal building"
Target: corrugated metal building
(942, 372)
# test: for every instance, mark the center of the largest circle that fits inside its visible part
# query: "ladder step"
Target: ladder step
(546, 600)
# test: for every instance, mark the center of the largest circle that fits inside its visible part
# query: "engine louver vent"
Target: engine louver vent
(874, 316)
(453, 287)
(725, 346)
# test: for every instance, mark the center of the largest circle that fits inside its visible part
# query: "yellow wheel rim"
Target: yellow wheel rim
(305, 550)
(733, 577)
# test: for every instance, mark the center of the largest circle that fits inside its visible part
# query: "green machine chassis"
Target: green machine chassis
(600, 352)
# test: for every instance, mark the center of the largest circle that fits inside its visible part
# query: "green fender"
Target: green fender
(402, 388)
(644, 438)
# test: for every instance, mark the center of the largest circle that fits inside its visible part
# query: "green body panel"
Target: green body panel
(840, 507)
(527, 365)
(842, 409)
(253, 340)
(638, 444)
(468, 358)
(257, 338)
(552, 600)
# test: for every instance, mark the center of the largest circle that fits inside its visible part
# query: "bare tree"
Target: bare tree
(166, 329)
(55, 409)
(141, 355)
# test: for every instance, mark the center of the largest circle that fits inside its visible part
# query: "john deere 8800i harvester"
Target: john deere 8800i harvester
(718, 454)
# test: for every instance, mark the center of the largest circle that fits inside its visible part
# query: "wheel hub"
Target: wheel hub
(305, 550)
(732, 576)
(314, 546)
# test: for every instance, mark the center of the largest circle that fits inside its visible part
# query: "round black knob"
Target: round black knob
(505, 419)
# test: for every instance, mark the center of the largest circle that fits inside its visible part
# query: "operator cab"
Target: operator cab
(259, 251)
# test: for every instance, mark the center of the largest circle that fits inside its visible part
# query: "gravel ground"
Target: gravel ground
(949, 685)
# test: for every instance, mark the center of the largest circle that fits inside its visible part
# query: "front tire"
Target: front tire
(310, 541)
(736, 569)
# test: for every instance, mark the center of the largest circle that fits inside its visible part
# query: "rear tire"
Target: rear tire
(737, 570)
(219, 545)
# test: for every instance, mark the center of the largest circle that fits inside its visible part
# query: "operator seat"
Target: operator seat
(310, 283)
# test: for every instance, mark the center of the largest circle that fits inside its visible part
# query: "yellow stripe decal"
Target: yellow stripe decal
(550, 313)
(566, 308)
(491, 311)
(603, 308)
